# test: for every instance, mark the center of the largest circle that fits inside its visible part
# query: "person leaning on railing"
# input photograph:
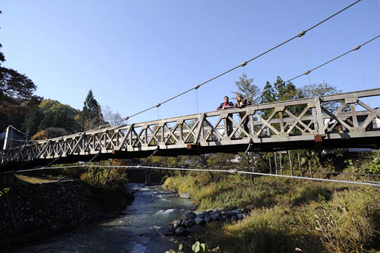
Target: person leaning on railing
(241, 103)
(227, 105)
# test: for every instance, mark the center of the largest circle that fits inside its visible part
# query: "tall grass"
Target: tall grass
(286, 215)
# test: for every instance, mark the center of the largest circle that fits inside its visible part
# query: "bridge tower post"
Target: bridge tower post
(147, 176)
(8, 179)
(8, 138)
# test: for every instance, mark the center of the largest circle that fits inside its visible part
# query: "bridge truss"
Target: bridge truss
(334, 121)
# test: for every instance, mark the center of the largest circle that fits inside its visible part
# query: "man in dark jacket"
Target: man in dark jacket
(223, 106)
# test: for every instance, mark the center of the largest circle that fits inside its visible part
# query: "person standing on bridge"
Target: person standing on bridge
(223, 106)
(241, 103)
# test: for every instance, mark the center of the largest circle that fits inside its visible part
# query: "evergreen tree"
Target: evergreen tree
(280, 91)
(47, 121)
(91, 115)
(284, 91)
(268, 94)
(32, 122)
(247, 89)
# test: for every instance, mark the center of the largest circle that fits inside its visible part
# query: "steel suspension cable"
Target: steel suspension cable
(325, 63)
(196, 94)
(231, 171)
(306, 61)
(335, 58)
(300, 34)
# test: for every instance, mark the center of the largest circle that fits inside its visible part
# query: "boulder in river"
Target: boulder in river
(184, 195)
(177, 223)
(180, 230)
(189, 223)
(207, 219)
(215, 217)
(167, 231)
(191, 215)
(200, 221)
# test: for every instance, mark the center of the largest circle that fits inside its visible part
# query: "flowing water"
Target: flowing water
(135, 232)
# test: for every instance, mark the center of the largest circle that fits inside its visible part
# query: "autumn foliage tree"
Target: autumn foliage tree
(17, 97)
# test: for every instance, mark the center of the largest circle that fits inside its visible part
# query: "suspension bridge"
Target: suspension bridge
(334, 121)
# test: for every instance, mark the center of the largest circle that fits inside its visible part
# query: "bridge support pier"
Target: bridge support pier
(147, 176)
(7, 179)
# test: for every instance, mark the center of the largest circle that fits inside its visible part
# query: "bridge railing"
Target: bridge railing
(309, 119)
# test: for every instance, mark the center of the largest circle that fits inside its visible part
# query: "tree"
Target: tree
(112, 118)
(268, 95)
(247, 89)
(91, 115)
(32, 122)
(314, 90)
(321, 89)
(51, 132)
(280, 91)
(16, 96)
(52, 113)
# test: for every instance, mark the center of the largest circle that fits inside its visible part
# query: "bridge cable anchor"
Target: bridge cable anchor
(243, 64)
(301, 33)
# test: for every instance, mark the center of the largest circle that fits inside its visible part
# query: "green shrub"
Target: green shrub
(311, 192)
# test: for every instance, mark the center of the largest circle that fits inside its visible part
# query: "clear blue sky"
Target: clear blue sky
(134, 54)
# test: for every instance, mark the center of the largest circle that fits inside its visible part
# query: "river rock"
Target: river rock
(177, 223)
(215, 217)
(189, 223)
(184, 195)
(191, 215)
(224, 217)
(207, 219)
(180, 230)
(199, 221)
(202, 214)
(240, 216)
(167, 231)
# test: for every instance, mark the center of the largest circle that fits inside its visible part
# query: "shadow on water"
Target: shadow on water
(135, 232)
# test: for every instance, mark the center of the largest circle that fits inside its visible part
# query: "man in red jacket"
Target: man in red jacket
(223, 106)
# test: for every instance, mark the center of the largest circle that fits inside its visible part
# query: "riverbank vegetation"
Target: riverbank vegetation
(289, 215)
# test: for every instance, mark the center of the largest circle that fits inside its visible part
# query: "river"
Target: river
(135, 232)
